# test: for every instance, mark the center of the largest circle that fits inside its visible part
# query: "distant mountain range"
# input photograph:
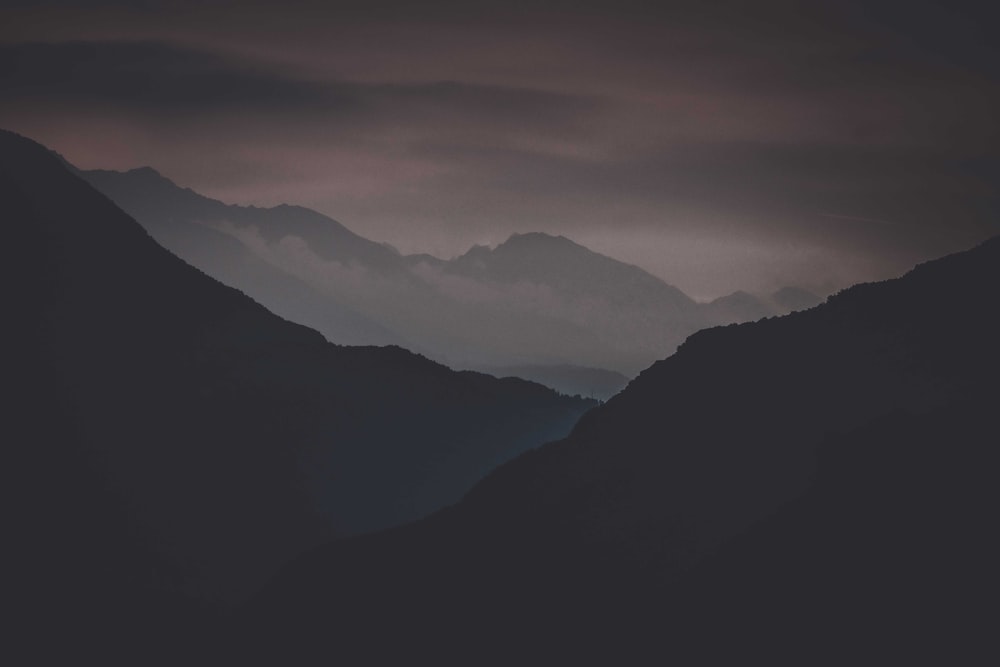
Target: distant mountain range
(805, 489)
(534, 300)
(172, 442)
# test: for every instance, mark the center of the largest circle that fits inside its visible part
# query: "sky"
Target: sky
(720, 145)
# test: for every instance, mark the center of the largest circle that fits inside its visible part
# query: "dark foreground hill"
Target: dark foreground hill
(171, 442)
(814, 488)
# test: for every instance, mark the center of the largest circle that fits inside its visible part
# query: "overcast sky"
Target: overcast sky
(720, 145)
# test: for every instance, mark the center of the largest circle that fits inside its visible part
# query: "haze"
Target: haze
(718, 147)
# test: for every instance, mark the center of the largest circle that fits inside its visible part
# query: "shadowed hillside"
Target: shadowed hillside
(175, 442)
(570, 380)
(802, 487)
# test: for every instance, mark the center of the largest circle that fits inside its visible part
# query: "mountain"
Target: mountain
(790, 299)
(633, 315)
(534, 300)
(182, 222)
(171, 442)
(742, 306)
(739, 306)
(811, 487)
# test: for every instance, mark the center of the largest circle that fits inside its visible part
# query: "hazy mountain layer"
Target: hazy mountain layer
(534, 300)
(175, 218)
(811, 487)
(174, 440)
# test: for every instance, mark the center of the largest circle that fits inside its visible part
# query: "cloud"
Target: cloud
(146, 76)
(164, 79)
(293, 255)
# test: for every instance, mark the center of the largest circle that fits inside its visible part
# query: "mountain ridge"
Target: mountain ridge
(218, 254)
(166, 414)
(705, 469)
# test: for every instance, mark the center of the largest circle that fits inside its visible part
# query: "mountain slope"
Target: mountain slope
(789, 299)
(889, 553)
(146, 194)
(569, 380)
(182, 222)
(602, 536)
(173, 440)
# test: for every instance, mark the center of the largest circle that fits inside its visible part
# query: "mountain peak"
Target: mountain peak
(534, 235)
(795, 298)
(148, 195)
(141, 177)
(738, 295)
(533, 239)
(147, 173)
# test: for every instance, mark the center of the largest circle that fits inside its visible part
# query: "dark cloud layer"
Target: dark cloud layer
(147, 77)
(151, 77)
(720, 145)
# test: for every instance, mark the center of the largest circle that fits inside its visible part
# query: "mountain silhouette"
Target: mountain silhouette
(739, 306)
(176, 218)
(809, 488)
(534, 300)
(790, 299)
(558, 262)
(570, 380)
(163, 202)
(172, 442)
